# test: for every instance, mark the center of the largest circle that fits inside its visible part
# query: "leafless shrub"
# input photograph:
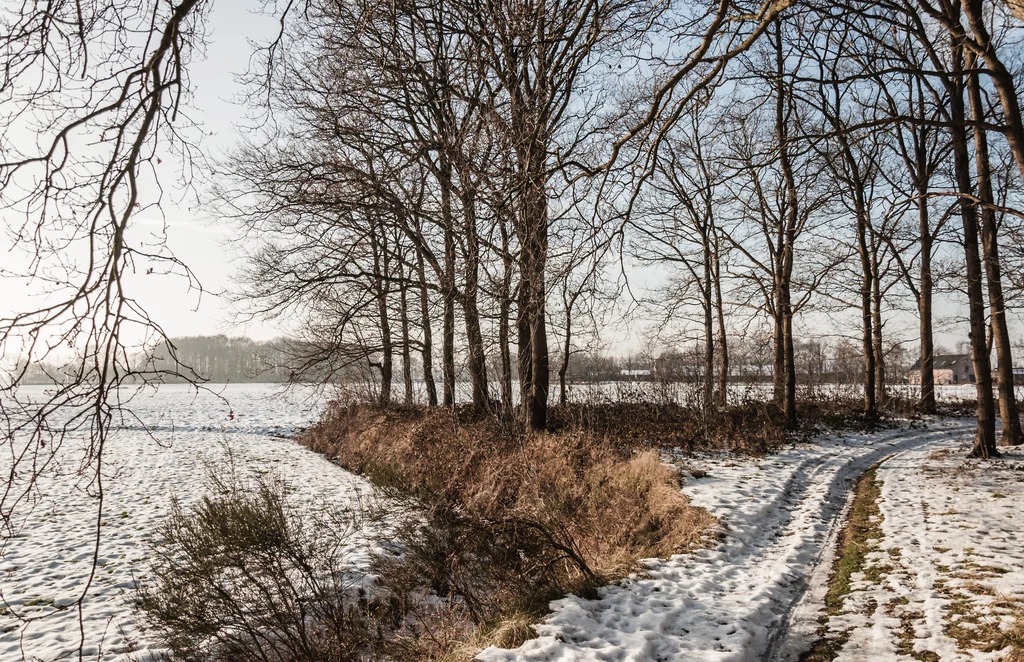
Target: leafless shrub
(242, 575)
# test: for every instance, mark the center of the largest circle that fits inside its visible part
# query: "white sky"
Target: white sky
(192, 235)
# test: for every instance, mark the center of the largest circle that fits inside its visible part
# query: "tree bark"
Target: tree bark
(427, 353)
(504, 310)
(784, 311)
(524, 346)
(448, 287)
(990, 246)
(474, 338)
(876, 321)
(723, 346)
(533, 262)
(924, 302)
(779, 350)
(380, 268)
(403, 287)
(708, 304)
(566, 350)
(985, 438)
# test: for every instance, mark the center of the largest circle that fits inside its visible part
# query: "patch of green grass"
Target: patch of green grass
(861, 536)
(826, 649)
(863, 530)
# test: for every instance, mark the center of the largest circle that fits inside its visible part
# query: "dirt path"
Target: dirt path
(936, 572)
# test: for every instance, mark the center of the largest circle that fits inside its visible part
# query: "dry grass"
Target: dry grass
(753, 427)
(1014, 638)
(618, 506)
(512, 520)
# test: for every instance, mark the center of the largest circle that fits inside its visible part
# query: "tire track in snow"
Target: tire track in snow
(741, 600)
(797, 630)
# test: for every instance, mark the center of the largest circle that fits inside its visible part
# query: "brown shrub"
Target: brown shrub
(618, 506)
(753, 427)
(241, 575)
(505, 522)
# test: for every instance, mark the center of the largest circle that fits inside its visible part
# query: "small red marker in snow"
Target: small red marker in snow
(231, 415)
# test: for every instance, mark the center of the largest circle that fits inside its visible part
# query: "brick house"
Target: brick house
(948, 369)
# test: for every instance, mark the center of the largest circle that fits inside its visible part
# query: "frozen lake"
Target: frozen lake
(45, 564)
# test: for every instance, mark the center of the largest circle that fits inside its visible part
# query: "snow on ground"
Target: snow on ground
(950, 564)
(780, 516)
(692, 392)
(684, 392)
(950, 540)
(43, 567)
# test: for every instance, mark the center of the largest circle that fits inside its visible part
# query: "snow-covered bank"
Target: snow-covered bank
(44, 567)
(950, 563)
(733, 601)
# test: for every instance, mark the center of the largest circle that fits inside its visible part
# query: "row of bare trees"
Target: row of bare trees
(489, 171)
(447, 178)
(823, 176)
(420, 166)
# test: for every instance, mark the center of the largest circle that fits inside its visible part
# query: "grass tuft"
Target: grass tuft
(859, 537)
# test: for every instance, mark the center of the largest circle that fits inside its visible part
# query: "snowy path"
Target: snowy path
(734, 601)
(948, 574)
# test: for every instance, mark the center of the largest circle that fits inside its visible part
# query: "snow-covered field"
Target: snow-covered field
(682, 392)
(951, 530)
(44, 567)
(756, 595)
(748, 392)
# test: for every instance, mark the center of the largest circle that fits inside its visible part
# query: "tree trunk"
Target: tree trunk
(427, 353)
(790, 404)
(524, 346)
(533, 261)
(566, 349)
(779, 351)
(784, 313)
(867, 340)
(406, 340)
(709, 326)
(504, 309)
(380, 268)
(985, 439)
(474, 338)
(723, 347)
(541, 371)
(924, 303)
(1002, 80)
(990, 246)
(448, 288)
(876, 321)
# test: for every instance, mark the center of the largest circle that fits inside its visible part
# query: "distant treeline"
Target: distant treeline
(218, 359)
(225, 359)
(815, 363)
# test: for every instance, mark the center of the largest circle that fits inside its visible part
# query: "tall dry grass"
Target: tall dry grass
(505, 522)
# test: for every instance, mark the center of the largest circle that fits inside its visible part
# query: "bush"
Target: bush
(240, 576)
(504, 522)
(485, 527)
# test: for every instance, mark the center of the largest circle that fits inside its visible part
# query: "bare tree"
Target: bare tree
(681, 229)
